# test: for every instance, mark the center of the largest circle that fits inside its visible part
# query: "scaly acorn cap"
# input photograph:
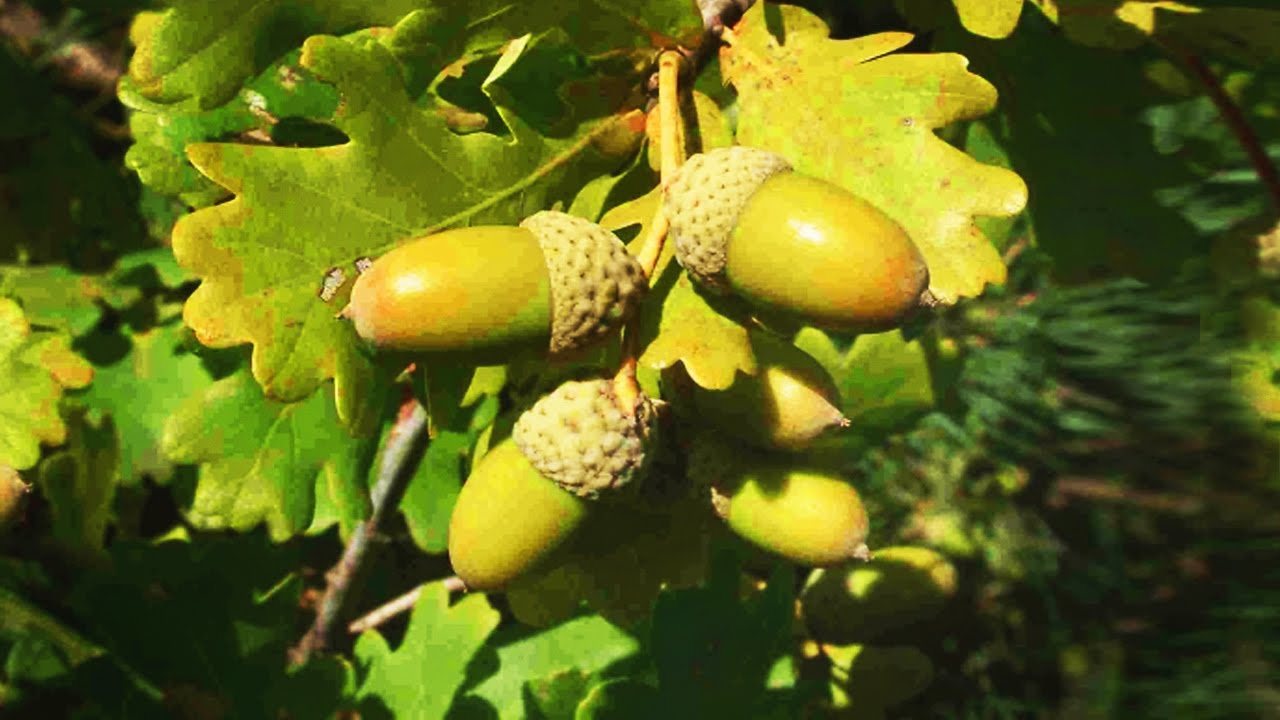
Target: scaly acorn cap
(579, 438)
(703, 201)
(595, 283)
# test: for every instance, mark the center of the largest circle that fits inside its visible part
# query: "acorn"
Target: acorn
(553, 285)
(508, 520)
(581, 439)
(861, 602)
(808, 515)
(873, 676)
(790, 402)
(744, 222)
(530, 493)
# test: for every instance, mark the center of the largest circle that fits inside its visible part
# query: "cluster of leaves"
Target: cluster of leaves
(201, 433)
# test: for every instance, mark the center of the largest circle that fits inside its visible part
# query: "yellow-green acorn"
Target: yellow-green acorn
(554, 284)
(876, 676)
(806, 514)
(861, 602)
(744, 222)
(786, 405)
(508, 520)
(581, 439)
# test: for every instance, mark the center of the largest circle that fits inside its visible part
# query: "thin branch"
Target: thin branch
(402, 604)
(405, 445)
(1236, 121)
(625, 386)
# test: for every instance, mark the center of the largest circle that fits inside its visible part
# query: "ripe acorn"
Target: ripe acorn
(554, 284)
(800, 246)
(790, 401)
(862, 602)
(806, 514)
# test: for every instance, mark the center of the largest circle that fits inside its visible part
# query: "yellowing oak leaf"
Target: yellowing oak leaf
(849, 112)
(300, 212)
(989, 18)
(35, 367)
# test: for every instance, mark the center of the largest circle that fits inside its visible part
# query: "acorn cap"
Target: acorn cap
(703, 201)
(579, 438)
(595, 283)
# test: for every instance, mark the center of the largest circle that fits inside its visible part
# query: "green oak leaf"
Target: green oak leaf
(679, 324)
(586, 644)
(55, 296)
(35, 368)
(150, 269)
(298, 212)
(1059, 128)
(420, 678)
(883, 379)
(263, 461)
(140, 389)
(1245, 34)
(850, 112)
(621, 699)
(79, 482)
(263, 111)
(19, 618)
(205, 49)
(428, 501)
(713, 650)
(556, 696)
(230, 601)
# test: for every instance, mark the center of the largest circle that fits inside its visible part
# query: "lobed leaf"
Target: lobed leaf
(420, 678)
(262, 460)
(35, 368)
(297, 213)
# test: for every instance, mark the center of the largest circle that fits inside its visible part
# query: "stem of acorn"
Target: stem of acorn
(625, 386)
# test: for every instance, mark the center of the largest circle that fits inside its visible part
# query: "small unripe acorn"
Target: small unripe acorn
(554, 284)
(581, 439)
(790, 401)
(805, 514)
(800, 246)
(862, 602)
(508, 520)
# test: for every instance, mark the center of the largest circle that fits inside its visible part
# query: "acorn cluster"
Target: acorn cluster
(743, 223)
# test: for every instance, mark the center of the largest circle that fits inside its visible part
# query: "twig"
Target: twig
(1236, 122)
(625, 386)
(400, 458)
(1100, 490)
(402, 604)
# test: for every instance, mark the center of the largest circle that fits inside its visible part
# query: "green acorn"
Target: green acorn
(790, 401)
(742, 221)
(861, 602)
(508, 520)
(529, 494)
(554, 284)
(872, 676)
(806, 514)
